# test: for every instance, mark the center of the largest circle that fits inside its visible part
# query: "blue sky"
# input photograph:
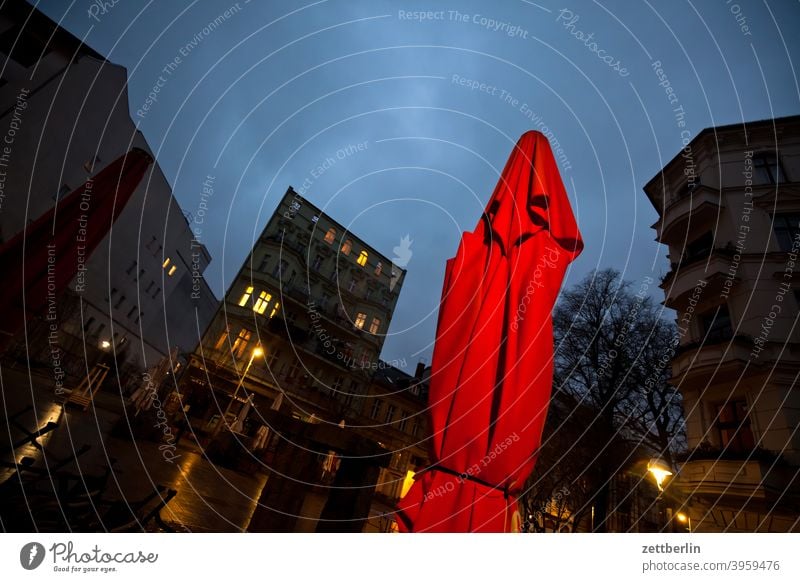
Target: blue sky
(275, 88)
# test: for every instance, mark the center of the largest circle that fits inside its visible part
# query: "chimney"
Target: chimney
(420, 369)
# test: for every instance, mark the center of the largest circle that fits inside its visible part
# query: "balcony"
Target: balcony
(712, 266)
(719, 358)
(702, 205)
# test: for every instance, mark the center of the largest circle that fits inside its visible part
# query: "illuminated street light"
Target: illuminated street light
(683, 518)
(660, 472)
(258, 351)
(105, 344)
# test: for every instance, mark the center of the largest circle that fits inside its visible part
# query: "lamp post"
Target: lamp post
(684, 518)
(660, 472)
(258, 351)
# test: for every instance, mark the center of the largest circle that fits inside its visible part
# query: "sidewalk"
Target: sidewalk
(209, 498)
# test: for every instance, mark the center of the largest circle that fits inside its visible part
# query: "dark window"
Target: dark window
(767, 169)
(280, 270)
(131, 268)
(87, 326)
(787, 228)
(130, 311)
(733, 425)
(717, 325)
(264, 265)
(62, 192)
(317, 264)
(700, 247)
(376, 408)
(22, 46)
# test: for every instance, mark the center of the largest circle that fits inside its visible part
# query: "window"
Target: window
(337, 384)
(240, 343)
(280, 269)
(733, 426)
(317, 264)
(361, 318)
(166, 262)
(131, 268)
(378, 269)
(787, 229)
(272, 358)
(156, 292)
(130, 312)
(88, 324)
(150, 286)
(767, 169)
(700, 247)
(274, 310)
(172, 270)
(362, 258)
(403, 420)
(264, 265)
(389, 413)
(119, 302)
(376, 409)
(716, 325)
(293, 370)
(375, 325)
(245, 296)
(415, 429)
(347, 247)
(22, 46)
(261, 303)
(330, 236)
(149, 246)
(221, 341)
(352, 285)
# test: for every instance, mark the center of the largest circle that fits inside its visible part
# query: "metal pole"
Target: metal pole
(235, 394)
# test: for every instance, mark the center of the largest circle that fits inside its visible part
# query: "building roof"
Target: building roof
(733, 127)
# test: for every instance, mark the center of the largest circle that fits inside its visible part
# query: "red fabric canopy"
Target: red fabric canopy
(38, 263)
(492, 362)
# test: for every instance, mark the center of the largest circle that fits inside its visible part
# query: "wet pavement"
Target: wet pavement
(208, 499)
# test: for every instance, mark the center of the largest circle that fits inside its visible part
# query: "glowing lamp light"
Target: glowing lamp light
(407, 483)
(681, 517)
(258, 352)
(660, 472)
(105, 344)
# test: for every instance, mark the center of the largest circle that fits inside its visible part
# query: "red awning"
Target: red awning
(492, 362)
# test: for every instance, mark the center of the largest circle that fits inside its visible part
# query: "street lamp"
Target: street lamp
(683, 518)
(660, 471)
(258, 351)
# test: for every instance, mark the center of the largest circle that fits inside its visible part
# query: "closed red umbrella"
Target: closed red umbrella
(38, 263)
(492, 362)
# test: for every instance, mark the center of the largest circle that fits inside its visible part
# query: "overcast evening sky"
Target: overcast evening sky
(277, 87)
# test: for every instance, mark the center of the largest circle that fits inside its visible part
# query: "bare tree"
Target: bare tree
(613, 349)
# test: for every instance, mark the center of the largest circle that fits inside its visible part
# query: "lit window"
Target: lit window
(361, 319)
(330, 236)
(245, 297)
(362, 258)
(172, 270)
(221, 341)
(165, 264)
(347, 247)
(240, 343)
(378, 268)
(261, 303)
(375, 325)
(274, 310)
